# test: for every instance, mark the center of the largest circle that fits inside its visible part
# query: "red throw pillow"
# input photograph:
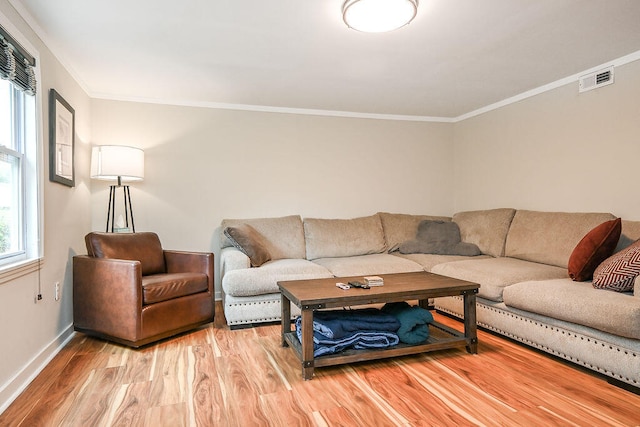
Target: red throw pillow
(595, 247)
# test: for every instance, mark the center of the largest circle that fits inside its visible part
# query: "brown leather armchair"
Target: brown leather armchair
(131, 291)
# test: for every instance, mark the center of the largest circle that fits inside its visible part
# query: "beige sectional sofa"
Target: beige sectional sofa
(525, 290)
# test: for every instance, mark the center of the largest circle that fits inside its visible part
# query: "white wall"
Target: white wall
(203, 165)
(558, 151)
(30, 332)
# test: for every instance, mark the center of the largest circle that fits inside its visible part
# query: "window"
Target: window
(11, 170)
(19, 214)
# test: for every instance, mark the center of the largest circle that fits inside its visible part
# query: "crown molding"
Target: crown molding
(635, 56)
(272, 109)
(545, 88)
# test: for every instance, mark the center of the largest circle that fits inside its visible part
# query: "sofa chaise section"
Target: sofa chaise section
(594, 328)
(580, 303)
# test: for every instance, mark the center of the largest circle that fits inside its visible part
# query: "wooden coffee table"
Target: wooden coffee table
(317, 294)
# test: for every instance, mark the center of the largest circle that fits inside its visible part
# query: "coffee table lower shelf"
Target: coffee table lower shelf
(441, 338)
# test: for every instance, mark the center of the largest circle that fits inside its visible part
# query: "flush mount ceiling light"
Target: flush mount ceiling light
(378, 16)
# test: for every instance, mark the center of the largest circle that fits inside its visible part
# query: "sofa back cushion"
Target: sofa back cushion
(399, 228)
(549, 237)
(630, 233)
(487, 229)
(144, 247)
(329, 238)
(283, 236)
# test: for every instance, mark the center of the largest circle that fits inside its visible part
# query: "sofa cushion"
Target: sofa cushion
(438, 237)
(284, 235)
(549, 237)
(399, 228)
(163, 287)
(367, 265)
(428, 261)
(264, 280)
(595, 247)
(487, 229)
(619, 271)
(247, 240)
(343, 237)
(630, 233)
(579, 303)
(494, 274)
(144, 247)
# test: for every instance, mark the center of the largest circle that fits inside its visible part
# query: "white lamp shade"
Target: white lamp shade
(377, 16)
(108, 162)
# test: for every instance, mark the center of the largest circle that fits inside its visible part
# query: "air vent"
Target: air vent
(596, 80)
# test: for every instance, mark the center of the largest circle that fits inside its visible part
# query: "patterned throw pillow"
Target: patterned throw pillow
(618, 272)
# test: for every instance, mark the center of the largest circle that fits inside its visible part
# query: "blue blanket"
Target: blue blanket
(340, 323)
(414, 321)
(357, 340)
(334, 331)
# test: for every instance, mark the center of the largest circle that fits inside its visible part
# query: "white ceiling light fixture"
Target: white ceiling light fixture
(378, 16)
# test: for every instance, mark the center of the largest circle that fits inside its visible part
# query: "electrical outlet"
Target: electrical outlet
(57, 291)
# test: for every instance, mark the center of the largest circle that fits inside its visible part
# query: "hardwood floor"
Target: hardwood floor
(218, 377)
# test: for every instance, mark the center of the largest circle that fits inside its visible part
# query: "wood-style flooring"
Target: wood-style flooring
(218, 377)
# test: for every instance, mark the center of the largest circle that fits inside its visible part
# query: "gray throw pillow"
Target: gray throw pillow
(248, 240)
(440, 238)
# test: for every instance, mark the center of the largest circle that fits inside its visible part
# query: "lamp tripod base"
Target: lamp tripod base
(128, 211)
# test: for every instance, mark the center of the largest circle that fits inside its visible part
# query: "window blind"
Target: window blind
(16, 64)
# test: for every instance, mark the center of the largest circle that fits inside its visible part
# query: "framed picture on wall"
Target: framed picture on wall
(61, 140)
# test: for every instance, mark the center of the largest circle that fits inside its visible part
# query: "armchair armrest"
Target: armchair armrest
(190, 262)
(107, 295)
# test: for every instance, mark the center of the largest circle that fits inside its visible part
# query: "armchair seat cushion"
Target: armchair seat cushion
(163, 287)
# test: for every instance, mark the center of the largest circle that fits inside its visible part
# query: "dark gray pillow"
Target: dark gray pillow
(248, 240)
(440, 238)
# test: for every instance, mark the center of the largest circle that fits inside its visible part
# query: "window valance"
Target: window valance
(16, 64)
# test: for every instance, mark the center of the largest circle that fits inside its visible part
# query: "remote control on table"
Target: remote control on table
(356, 284)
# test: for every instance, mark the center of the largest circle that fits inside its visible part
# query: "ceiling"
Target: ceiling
(456, 57)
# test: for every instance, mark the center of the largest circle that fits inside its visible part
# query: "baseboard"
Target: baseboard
(16, 385)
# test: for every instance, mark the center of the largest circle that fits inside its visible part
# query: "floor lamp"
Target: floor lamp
(121, 164)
